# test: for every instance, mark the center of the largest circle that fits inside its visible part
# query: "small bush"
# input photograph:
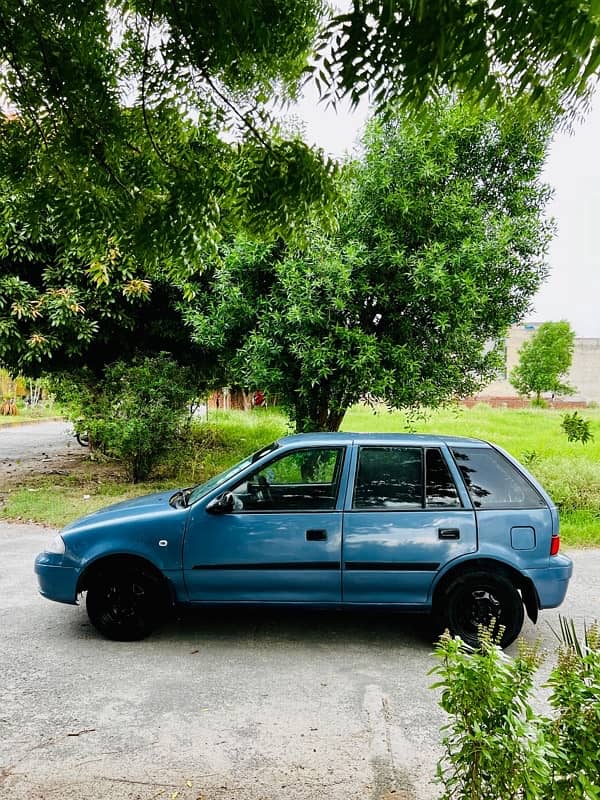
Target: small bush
(134, 413)
(493, 749)
(574, 732)
(539, 402)
(496, 747)
(577, 428)
(145, 407)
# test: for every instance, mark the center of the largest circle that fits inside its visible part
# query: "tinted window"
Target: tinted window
(493, 482)
(389, 478)
(441, 490)
(303, 480)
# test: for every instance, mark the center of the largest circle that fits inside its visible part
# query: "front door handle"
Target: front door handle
(316, 536)
(448, 533)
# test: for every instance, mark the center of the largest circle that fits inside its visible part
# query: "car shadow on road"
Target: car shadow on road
(309, 626)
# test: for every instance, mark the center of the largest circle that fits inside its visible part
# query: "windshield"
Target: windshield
(203, 489)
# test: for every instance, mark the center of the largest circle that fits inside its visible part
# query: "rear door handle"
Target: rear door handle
(316, 536)
(448, 533)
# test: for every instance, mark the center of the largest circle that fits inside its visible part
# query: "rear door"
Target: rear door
(405, 518)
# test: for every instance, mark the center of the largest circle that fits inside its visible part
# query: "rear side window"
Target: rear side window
(389, 478)
(493, 482)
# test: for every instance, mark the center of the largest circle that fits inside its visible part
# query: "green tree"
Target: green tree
(411, 50)
(138, 133)
(55, 318)
(439, 250)
(143, 127)
(544, 361)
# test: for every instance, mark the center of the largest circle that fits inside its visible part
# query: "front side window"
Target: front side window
(389, 478)
(202, 489)
(493, 482)
(303, 480)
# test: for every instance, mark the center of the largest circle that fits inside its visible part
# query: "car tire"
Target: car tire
(126, 604)
(476, 598)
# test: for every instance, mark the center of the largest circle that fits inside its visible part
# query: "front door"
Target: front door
(405, 520)
(282, 541)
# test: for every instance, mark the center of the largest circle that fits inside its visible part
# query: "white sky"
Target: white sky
(572, 290)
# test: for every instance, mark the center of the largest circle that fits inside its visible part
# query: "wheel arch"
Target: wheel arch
(521, 582)
(116, 561)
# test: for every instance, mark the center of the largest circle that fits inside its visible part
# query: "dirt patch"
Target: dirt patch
(16, 473)
(31, 454)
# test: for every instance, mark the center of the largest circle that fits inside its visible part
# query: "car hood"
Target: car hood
(152, 505)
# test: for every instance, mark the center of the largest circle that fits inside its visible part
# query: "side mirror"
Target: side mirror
(221, 504)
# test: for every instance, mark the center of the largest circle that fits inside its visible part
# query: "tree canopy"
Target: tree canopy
(544, 361)
(440, 247)
(147, 128)
(488, 49)
(139, 133)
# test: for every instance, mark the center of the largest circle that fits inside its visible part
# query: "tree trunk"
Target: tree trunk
(318, 415)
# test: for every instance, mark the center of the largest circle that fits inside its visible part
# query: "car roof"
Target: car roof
(345, 438)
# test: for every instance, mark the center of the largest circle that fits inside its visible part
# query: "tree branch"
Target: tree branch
(100, 157)
(155, 147)
(221, 95)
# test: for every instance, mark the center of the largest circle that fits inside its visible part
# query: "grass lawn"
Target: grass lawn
(570, 471)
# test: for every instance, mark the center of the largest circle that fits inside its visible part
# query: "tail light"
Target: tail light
(554, 545)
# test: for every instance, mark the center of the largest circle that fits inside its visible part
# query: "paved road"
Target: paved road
(43, 447)
(249, 705)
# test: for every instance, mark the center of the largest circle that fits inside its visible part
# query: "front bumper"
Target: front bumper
(552, 582)
(56, 580)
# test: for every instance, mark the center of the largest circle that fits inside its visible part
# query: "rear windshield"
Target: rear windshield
(493, 482)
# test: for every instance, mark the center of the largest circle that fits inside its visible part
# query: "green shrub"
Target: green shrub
(577, 428)
(493, 749)
(574, 732)
(135, 413)
(496, 747)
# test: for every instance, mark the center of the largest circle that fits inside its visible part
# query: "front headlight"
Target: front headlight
(57, 546)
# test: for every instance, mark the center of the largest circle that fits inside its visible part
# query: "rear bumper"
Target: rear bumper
(56, 581)
(552, 582)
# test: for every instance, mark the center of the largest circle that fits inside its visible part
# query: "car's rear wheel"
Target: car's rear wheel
(125, 604)
(474, 599)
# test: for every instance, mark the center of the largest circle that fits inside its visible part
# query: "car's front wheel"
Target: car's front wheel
(480, 598)
(125, 604)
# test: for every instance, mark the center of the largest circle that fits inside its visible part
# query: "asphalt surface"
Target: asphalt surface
(244, 705)
(37, 448)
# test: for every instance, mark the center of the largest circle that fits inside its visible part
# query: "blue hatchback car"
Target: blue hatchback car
(415, 523)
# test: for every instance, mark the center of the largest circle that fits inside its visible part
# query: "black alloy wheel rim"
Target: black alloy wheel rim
(124, 603)
(478, 607)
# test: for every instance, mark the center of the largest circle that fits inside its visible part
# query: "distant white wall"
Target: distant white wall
(584, 374)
